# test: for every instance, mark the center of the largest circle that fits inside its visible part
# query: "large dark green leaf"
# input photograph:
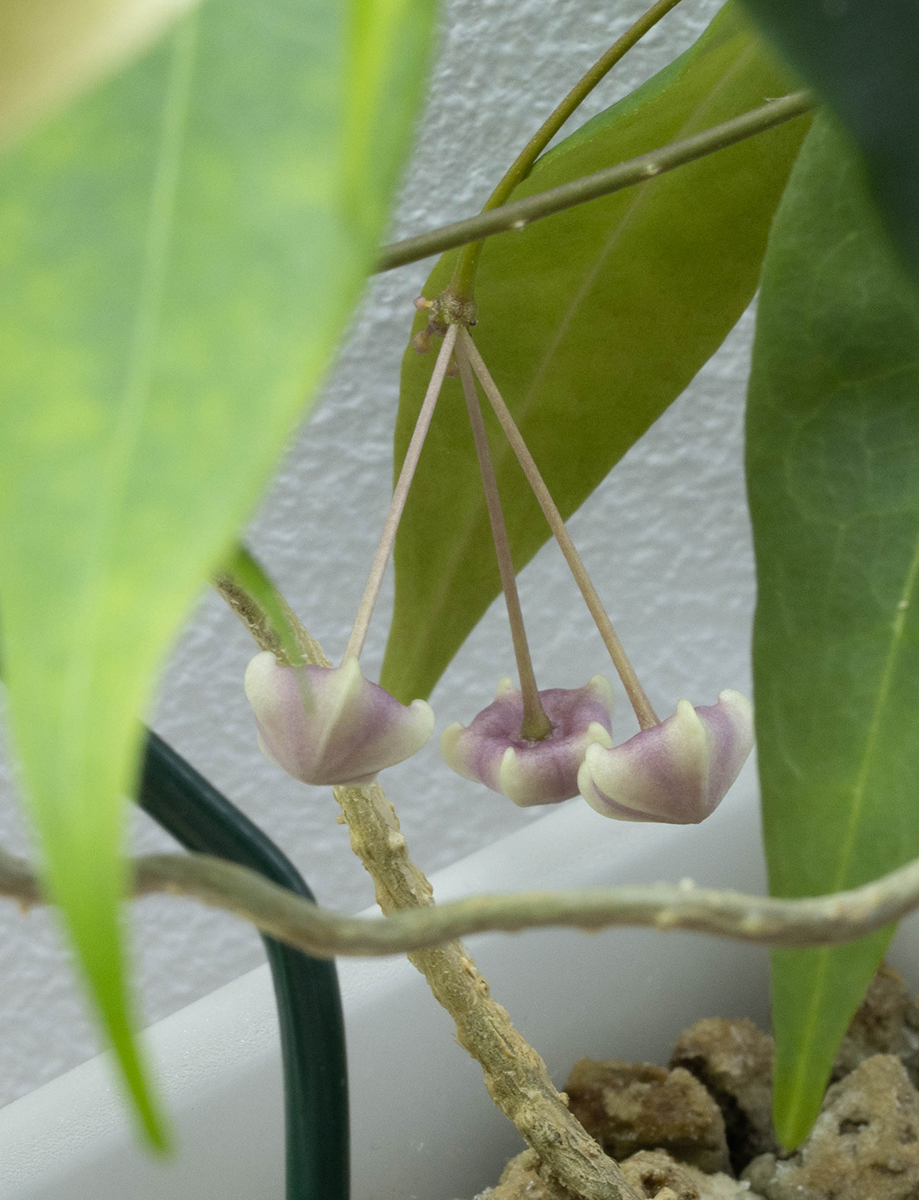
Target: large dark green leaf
(592, 322)
(177, 257)
(863, 56)
(833, 466)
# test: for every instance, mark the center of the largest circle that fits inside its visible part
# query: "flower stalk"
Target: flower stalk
(536, 725)
(399, 497)
(647, 717)
(331, 726)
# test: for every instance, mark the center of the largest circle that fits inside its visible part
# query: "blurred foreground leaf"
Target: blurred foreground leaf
(177, 257)
(833, 468)
(863, 57)
(50, 49)
(592, 322)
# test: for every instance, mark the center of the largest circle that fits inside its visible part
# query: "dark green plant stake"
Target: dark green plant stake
(308, 998)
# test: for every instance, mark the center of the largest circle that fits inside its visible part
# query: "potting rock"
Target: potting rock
(887, 1022)
(733, 1059)
(636, 1106)
(520, 1180)
(654, 1174)
(864, 1145)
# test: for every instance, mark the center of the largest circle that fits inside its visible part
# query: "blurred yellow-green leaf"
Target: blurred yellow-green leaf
(51, 49)
(178, 254)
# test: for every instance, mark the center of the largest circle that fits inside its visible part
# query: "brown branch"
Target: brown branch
(759, 920)
(259, 624)
(515, 1075)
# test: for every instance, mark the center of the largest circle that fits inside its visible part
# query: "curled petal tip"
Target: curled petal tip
(603, 690)
(350, 731)
(451, 752)
(491, 749)
(677, 772)
(512, 780)
(599, 735)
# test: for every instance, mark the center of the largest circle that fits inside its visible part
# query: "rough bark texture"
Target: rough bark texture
(515, 1075)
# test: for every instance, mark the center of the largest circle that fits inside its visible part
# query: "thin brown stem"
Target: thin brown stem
(399, 497)
(514, 217)
(253, 615)
(536, 725)
(646, 715)
(464, 275)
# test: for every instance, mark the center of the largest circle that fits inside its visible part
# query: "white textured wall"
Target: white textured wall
(666, 539)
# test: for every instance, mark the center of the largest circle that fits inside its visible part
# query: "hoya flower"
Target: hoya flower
(347, 731)
(492, 750)
(677, 772)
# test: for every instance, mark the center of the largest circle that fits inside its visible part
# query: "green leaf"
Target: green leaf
(833, 469)
(177, 257)
(592, 322)
(51, 49)
(862, 56)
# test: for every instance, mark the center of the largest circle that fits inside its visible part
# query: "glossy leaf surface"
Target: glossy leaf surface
(177, 258)
(592, 322)
(862, 56)
(833, 469)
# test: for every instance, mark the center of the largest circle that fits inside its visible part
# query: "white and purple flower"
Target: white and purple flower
(677, 772)
(491, 749)
(341, 729)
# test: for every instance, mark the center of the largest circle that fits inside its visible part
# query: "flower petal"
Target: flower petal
(491, 750)
(677, 772)
(349, 732)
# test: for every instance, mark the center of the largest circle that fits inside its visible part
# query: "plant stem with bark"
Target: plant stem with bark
(515, 1076)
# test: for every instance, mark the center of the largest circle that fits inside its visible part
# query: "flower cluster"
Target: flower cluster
(328, 725)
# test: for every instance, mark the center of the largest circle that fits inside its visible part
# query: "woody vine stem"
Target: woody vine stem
(515, 1075)
(758, 920)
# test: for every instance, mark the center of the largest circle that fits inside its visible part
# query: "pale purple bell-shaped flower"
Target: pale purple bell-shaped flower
(342, 729)
(677, 772)
(492, 751)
